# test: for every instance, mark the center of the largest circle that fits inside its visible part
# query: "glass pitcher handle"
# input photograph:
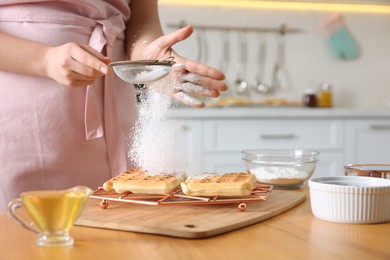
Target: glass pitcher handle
(14, 205)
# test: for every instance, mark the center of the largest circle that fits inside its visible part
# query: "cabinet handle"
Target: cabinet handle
(185, 128)
(380, 127)
(277, 136)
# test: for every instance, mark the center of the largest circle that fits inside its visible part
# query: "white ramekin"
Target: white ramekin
(350, 199)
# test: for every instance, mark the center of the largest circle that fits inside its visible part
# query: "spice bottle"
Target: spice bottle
(325, 95)
(310, 98)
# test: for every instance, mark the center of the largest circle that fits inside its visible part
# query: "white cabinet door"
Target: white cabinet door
(237, 135)
(330, 164)
(224, 162)
(368, 141)
(225, 139)
(191, 137)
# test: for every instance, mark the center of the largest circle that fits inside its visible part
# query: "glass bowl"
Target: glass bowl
(287, 169)
(368, 170)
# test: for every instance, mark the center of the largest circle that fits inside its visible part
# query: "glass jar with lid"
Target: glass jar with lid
(310, 98)
(325, 95)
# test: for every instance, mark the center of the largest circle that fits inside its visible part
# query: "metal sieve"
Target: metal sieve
(142, 71)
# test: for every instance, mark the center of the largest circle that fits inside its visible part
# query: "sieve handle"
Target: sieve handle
(169, 61)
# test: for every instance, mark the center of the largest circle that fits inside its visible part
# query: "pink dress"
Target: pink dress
(52, 136)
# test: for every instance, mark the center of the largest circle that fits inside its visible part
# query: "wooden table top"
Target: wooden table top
(295, 234)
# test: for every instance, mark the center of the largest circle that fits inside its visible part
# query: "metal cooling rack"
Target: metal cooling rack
(178, 198)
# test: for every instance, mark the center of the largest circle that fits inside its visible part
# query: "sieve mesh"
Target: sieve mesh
(140, 72)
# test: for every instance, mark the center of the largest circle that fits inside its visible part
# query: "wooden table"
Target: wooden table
(295, 234)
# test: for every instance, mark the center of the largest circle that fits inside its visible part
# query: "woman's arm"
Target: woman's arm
(70, 64)
(143, 27)
(21, 56)
(145, 40)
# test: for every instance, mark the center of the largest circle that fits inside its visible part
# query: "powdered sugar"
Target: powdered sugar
(275, 172)
(187, 98)
(150, 73)
(155, 146)
(191, 77)
(208, 175)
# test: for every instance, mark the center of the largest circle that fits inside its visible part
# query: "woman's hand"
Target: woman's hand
(75, 65)
(188, 78)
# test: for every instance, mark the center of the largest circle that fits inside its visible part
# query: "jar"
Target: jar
(325, 95)
(310, 98)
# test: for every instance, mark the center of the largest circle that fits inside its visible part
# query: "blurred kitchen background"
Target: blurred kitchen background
(224, 30)
(353, 56)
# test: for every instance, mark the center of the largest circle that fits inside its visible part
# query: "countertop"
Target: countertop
(268, 112)
(295, 234)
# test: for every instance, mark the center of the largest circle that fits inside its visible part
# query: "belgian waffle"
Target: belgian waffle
(225, 184)
(137, 181)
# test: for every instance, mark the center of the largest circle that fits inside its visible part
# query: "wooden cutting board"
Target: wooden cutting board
(186, 221)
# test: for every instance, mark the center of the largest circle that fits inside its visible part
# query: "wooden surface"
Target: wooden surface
(186, 221)
(294, 234)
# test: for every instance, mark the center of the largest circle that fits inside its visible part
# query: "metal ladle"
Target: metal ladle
(142, 71)
(259, 86)
(224, 59)
(202, 48)
(241, 85)
(279, 78)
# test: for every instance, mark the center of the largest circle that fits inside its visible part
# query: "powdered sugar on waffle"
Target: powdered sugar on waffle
(208, 175)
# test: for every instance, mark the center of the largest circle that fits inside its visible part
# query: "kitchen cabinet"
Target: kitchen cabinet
(190, 135)
(368, 141)
(216, 145)
(225, 139)
(330, 163)
(215, 138)
(236, 135)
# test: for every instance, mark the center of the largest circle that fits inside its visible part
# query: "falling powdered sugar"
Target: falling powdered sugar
(148, 74)
(155, 146)
(187, 98)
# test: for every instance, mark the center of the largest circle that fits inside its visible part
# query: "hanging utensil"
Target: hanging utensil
(258, 85)
(241, 85)
(224, 54)
(142, 71)
(202, 48)
(224, 59)
(279, 75)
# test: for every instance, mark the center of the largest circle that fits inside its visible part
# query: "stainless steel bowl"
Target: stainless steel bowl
(368, 170)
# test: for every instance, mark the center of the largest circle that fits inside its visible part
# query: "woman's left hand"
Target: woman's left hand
(188, 78)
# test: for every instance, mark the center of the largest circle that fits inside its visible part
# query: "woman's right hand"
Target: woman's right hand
(75, 65)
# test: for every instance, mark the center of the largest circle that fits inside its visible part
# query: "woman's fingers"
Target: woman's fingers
(167, 41)
(192, 88)
(75, 65)
(81, 71)
(188, 100)
(95, 63)
(188, 78)
(80, 83)
(196, 83)
(202, 69)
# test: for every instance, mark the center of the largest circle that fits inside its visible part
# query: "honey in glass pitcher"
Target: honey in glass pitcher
(52, 212)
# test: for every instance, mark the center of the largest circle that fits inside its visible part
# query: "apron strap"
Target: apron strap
(104, 35)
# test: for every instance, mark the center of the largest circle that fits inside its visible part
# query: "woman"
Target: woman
(64, 115)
